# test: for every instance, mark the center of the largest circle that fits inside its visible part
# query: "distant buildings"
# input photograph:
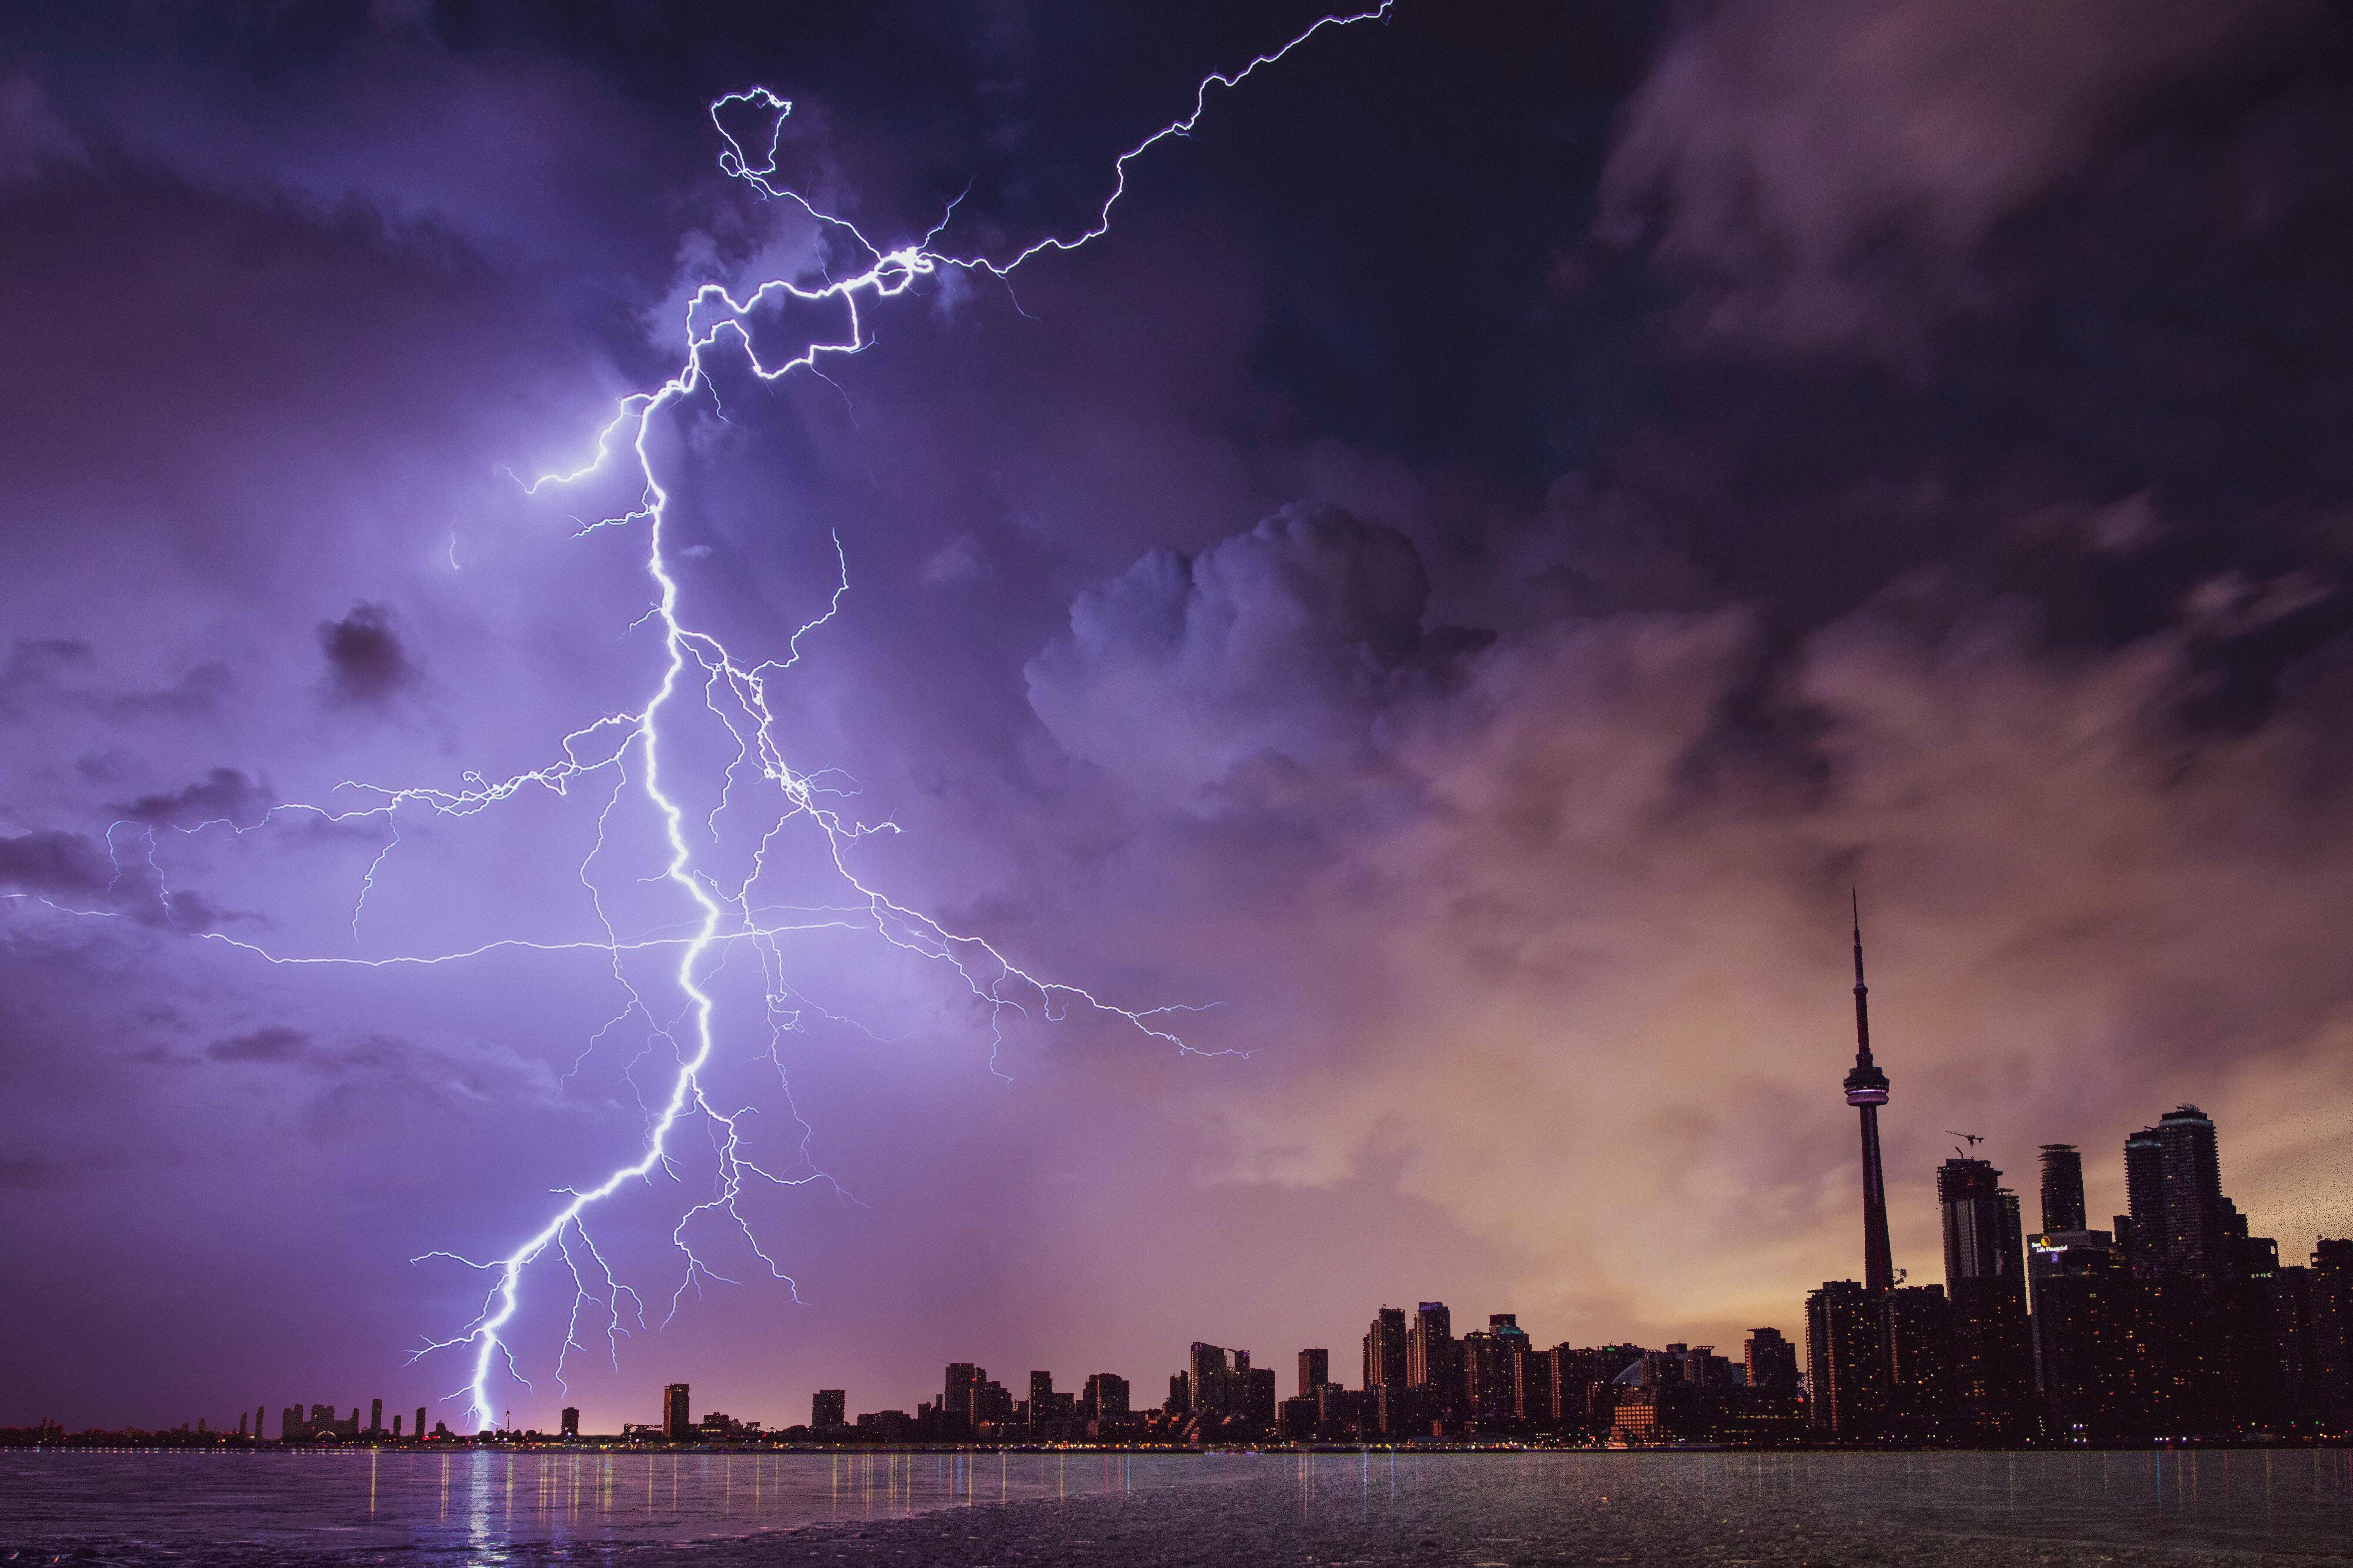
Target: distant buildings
(2175, 1322)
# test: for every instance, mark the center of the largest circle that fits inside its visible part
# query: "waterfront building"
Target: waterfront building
(1385, 1349)
(1846, 1374)
(1314, 1372)
(1433, 1361)
(1770, 1359)
(2063, 1188)
(1105, 1398)
(678, 1426)
(1985, 1275)
(1917, 1340)
(1041, 1398)
(828, 1408)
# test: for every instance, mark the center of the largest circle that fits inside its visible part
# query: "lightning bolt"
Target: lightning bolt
(628, 748)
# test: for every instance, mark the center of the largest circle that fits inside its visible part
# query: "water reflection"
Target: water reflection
(481, 1501)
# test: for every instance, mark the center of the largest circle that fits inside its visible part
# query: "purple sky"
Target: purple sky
(1526, 506)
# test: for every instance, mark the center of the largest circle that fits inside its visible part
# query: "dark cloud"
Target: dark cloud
(223, 795)
(1925, 469)
(366, 664)
(1824, 173)
(65, 865)
(275, 1044)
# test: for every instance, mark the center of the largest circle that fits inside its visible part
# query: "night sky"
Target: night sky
(1526, 508)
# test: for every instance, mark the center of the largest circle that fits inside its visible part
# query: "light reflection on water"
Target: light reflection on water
(483, 1498)
(477, 1504)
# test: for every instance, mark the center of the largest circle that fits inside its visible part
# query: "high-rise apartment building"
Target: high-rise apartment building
(1259, 1395)
(568, 1421)
(1917, 1340)
(1846, 1372)
(677, 1424)
(829, 1407)
(1105, 1398)
(963, 1379)
(992, 1404)
(2201, 1225)
(2063, 1188)
(1216, 1392)
(1432, 1361)
(1770, 1359)
(1491, 1360)
(1385, 1349)
(1314, 1372)
(1041, 1397)
(2144, 1195)
(1985, 1275)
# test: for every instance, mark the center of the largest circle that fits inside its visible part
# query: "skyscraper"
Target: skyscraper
(1431, 1359)
(1385, 1349)
(1041, 1397)
(569, 1420)
(1916, 1336)
(1214, 1390)
(1846, 1373)
(2145, 1195)
(1985, 1275)
(1491, 1359)
(2063, 1188)
(677, 1424)
(963, 1380)
(2199, 1221)
(1314, 1372)
(1866, 1090)
(829, 1407)
(2206, 1278)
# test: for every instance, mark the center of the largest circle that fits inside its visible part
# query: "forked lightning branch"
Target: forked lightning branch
(701, 676)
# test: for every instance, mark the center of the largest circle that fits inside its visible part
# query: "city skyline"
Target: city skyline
(1983, 1227)
(1402, 638)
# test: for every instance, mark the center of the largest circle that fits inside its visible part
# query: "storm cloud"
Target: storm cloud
(1522, 512)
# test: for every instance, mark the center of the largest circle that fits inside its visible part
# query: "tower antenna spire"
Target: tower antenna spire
(1866, 1090)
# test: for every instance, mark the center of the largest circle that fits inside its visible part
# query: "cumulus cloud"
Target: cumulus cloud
(1571, 985)
(1284, 645)
(1589, 1000)
(1822, 172)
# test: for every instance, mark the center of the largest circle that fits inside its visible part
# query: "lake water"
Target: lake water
(1502, 1509)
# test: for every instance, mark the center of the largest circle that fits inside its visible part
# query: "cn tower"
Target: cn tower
(1866, 1090)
